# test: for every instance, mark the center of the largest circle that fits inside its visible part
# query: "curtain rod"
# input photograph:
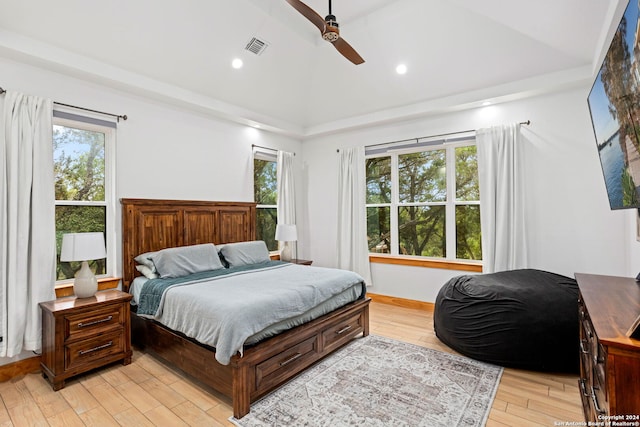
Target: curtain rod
(267, 148)
(117, 116)
(526, 122)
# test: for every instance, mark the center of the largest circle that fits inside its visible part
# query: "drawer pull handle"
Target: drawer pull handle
(100, 347)
(595, 401)
(95, 322)
(291, 359)
(582, 347)
(583, 387)
(343, 330)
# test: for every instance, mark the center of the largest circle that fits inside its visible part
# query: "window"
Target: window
(424, 201)
(266, 196)
(83, 168)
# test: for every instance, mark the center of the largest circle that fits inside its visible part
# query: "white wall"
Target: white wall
(570, 226)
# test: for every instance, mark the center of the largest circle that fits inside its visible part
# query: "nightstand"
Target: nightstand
(81, 334)
(301, 261)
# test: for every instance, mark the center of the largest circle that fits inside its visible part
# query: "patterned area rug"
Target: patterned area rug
(376, 381)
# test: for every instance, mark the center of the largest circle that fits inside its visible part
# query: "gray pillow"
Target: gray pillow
(244, 253)
(184, 260)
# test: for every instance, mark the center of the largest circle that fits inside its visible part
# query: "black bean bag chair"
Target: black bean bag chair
(526, 319)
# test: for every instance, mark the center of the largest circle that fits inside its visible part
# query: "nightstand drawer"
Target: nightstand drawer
(88, 324)
(86, 352)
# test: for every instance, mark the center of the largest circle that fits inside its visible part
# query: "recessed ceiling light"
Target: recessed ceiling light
(486, 103)
(401, 69)
(237, 63)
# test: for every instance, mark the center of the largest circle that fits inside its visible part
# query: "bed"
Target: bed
(151, 225)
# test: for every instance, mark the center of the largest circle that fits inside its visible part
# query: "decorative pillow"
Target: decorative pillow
(184, 260)
(147, 272)
(244, 253)
(145, 259)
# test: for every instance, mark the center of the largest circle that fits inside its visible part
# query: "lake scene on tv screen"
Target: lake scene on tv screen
(615, 113)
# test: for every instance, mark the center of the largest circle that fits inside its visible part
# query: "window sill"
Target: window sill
(427, 263)
(66, 289)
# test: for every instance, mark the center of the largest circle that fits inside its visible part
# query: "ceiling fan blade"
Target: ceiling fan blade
(308, 13)
(347, 51)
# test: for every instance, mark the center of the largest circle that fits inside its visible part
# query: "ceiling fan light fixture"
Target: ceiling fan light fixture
(331, 34)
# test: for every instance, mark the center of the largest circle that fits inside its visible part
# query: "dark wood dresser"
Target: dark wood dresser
(609, 360)
(80, 334)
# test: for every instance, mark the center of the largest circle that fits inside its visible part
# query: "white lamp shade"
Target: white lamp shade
(286, 233)
(82, 247)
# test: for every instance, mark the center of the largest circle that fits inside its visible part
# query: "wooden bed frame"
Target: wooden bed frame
(151, 225)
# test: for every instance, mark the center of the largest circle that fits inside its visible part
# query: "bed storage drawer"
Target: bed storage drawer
(286, 355)
(273, 370)
(341, 332)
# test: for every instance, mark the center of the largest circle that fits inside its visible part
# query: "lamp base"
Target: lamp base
(85, 284)
(285, 253)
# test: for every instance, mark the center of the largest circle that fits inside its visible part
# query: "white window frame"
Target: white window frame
(450, 204)
(267, 156)
(109, 189)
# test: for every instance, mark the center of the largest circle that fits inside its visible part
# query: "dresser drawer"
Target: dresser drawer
(86, 352)
(78, 326)
(270, 372)
(343, 331)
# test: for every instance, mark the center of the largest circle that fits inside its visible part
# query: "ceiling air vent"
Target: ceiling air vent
(256, 46)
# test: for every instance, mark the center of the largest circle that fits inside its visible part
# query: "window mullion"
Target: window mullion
(450, 217)
(395, 238)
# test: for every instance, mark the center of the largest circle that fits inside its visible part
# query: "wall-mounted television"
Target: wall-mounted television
(614, 104)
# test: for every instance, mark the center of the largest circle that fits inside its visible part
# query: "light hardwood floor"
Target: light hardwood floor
(147, 393)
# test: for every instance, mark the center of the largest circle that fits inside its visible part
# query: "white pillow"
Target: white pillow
(147, 272)
(145, 259)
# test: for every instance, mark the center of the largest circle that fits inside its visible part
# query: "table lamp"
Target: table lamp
(83, 247)
(287, 233)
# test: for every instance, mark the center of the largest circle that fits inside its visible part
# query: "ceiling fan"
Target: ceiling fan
(329, 29)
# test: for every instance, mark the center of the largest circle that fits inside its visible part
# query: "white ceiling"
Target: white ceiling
(457, 52)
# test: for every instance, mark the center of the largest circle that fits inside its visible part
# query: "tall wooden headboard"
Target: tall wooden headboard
(154, 224)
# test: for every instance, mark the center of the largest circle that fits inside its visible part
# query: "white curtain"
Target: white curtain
(286, 191)
(27, 220)
(502, 210)
(352, 250)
